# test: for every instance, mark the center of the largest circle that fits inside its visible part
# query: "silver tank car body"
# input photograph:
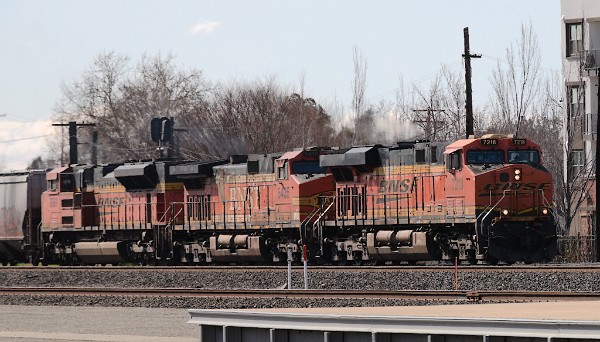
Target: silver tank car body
(20, 214)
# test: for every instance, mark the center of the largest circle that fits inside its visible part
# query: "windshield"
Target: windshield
(523, 157)
(306, 166)
(485, 157)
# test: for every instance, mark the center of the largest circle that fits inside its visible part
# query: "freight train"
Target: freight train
(482, 200)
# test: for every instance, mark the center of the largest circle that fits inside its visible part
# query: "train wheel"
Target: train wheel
(374, 262)
(358, 261)
(490, 260)
(472, 258)
(4, 262)
(342, 260)
(34, 259)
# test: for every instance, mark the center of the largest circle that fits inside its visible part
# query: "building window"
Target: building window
(577, 162)
(574, 39)
(576, 97)
(590, 123)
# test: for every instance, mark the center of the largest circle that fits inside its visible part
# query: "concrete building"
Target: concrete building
(580, 36)
(540, 322)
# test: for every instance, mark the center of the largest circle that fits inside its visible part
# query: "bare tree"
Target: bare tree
(452, 101)
(529, 102)
(517, 86)
(260, 117)
(359, 85)
(122, 99)
(428, 106)
(579, 167)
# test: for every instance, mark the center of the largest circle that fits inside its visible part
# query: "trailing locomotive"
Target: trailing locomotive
(473, 200)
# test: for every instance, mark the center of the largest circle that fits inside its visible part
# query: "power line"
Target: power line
(29, 138)
(505, 61)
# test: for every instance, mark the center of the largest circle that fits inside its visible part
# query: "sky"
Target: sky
(50, 43)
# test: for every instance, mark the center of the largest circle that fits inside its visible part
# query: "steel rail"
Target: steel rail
(229, 268)
(313, 294)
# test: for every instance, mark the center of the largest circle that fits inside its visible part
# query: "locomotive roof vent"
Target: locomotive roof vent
(368, 155)
(195, 169)
(238, 158)
(137, 176)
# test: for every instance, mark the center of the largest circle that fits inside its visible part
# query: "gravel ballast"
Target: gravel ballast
(468, 280)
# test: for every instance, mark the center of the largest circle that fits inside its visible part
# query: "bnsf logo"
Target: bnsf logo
(111, 201)
(400, 186)
(516, 186)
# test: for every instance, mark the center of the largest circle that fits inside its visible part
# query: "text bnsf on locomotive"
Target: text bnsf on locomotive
(474, 200)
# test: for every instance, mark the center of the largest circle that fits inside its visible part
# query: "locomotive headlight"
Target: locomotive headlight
(505, 212)
(517, 174)
(545, 211)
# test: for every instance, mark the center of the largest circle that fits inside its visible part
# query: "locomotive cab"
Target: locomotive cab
(67, 198)
(508, 194)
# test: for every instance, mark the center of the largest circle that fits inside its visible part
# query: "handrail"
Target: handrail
(323, 213)
(478, 216)
(308, 219)
(544, 199)
(495, 205)
(320, 226)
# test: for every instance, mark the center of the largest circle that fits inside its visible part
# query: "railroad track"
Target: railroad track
(474, 296)
(475, 268)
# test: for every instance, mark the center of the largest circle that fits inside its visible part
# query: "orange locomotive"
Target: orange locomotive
(475, 200)
(245, 210)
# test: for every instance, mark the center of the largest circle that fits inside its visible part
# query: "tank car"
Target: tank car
(20, 213)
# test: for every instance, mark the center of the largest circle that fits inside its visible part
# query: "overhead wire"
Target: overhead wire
(22, 139)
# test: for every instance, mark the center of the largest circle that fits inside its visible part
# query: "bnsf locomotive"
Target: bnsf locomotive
(472, 200)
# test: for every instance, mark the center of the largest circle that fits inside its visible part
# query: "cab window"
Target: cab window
(53, 184)
(454, 160)
(67, 182)
(523, 157)
(282, 171)
(485, 157)
(306, 167)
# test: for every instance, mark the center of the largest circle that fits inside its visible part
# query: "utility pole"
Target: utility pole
(469, 103)
(429, 121)
(595, 228)
(73, 138)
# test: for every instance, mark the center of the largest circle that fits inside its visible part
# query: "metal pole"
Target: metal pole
(289, 260)
(456, 273)
(469, 91)
(595, 228)
(305, 257)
